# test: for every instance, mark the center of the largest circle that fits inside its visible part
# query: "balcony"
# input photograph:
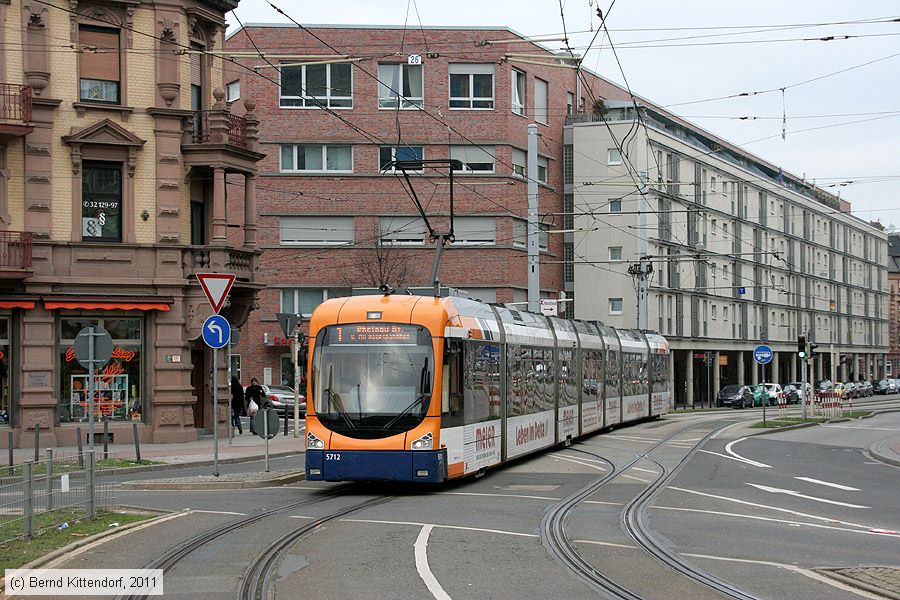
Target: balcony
(15, 110)
(203, 259)
(15, 254)
(233, 130)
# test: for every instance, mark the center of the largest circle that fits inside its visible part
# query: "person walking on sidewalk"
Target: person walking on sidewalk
(255, 393)
(237, 403)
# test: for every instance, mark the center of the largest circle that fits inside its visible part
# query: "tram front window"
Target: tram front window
(372, 379)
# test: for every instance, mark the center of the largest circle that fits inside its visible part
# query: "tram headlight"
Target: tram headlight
(426, 442)
(314, 442)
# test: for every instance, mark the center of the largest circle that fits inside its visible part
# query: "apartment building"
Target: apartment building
(743, 254)
(337, 104)
(892, 363)
(116, 144)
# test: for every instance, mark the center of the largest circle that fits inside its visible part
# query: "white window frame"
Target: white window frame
(541, 114)
(317, 223)
(393, 98)
(404, 222)
(489, 150)
(520, 232)
(296, 291)
(394, 157)
(519, 163)
(233, 91)
(613, 156)
(483, 234)
(543, 169)
(620, 310)
(471, 69)
(612, 200)
(306, 101)
(324, 148)
(613, 251)
(518, 97)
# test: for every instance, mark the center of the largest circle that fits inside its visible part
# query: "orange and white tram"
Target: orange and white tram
(422, 388)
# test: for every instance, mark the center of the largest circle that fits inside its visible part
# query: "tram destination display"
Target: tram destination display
(375, 333)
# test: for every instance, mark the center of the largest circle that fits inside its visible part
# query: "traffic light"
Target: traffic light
(801, 347)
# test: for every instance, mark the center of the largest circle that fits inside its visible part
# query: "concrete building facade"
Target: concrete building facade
(743, 254)
(892, 363)
(114, 157)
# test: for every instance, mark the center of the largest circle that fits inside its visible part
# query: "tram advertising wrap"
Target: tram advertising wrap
(419, 388)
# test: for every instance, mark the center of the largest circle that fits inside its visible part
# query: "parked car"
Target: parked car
(851, 391)
(839, 389)
(894, 386)
(797, 386)
(867, 388)
(882, 387)
(824, 385)
(735, 396)
(791, 393)
(282, 398)
(775, 392)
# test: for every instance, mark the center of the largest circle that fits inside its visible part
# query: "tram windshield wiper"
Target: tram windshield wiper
(338, 407)
(408, 410)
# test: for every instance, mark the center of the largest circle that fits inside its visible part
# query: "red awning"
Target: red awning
(26, 304)
(110, 304)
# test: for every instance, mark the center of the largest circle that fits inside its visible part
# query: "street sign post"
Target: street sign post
(93, 348)
(265, 424)
(216, 334)
(549, 307)
(289, 323)
(763, 355)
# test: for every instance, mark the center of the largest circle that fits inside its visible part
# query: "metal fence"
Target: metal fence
(35, 496)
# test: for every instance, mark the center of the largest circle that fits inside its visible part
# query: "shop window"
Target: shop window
(101, 202)
(118, 386)
(99, 65)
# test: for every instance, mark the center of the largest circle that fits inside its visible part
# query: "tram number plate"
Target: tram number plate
(332, 456)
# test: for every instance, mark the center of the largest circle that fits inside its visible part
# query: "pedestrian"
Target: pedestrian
(254, 393)
(237, 403)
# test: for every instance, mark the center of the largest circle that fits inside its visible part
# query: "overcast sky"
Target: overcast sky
(678, 52)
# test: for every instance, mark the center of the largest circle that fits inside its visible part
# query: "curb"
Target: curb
(186, 465)
(885, 456)
(767, 430)
(214, 485)
(861, 585)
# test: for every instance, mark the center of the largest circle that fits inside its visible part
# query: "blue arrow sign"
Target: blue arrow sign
(216, 331)
(763, 355)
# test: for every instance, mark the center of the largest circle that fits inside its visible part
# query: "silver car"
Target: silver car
(282, 398)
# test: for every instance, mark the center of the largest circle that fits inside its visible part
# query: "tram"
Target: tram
(426, 388)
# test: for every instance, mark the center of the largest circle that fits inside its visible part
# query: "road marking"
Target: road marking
(219, 512)
(422, 567)
(796, 569)
(722, 455)
(457, 527)
(834, 485)
(631, 438)
(604, 502)
(579, 462)
(645, 470)
(610, 544)
(635, 478)
(768, 507)
(880, 532)
(766, 488)
(500, 496)
(728, 449)
(861, 427)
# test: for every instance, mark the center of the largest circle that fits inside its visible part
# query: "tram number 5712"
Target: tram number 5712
(332, 456)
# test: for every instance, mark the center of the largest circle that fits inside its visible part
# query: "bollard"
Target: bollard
(89, 485)
(105, 438)
(80, 449)
(49, 474)
(9, 442)
(266, 435)
(137, 443)
(37, 441)
(285, 421)
(27, 506)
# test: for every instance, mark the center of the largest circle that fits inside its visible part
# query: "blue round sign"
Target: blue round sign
(216, 331)
(763, 355)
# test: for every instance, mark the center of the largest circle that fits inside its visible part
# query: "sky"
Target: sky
(842, 130)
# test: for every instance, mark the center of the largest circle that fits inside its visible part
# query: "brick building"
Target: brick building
(113, 163)
(342, 103)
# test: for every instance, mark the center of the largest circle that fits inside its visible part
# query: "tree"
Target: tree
(383, 264)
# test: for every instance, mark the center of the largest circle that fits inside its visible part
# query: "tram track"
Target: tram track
(174, 557)
(553, 527)
(258, 579)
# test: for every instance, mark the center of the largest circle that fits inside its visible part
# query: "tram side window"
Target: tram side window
(452, 395)
(568, 392)
(643, 375)
(612, 374)
(660, 372)
(591, 376)
(482, 382)
(515, 405)
(549, 387)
